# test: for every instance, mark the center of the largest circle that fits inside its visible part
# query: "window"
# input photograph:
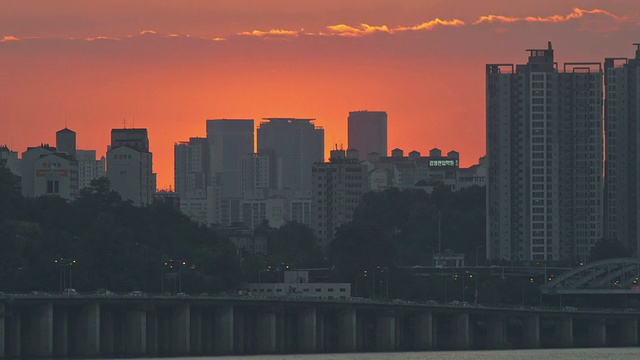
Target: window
(53, 187)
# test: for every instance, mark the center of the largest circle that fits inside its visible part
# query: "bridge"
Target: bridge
(610, 276)
(139, 325)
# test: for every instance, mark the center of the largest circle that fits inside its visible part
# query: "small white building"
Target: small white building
(56, 174)
(296, 284)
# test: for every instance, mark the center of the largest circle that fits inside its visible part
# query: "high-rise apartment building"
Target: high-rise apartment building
(129, 165)
(296, 144)
(544, 158)
(338, 186)
(191, 175)
(89, 168)
(228, 141)
(367, 132)
(622, 163)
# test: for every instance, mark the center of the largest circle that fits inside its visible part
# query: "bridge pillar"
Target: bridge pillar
(531, 332)
(196, 331)
(386, 332)
(60, 332)
(308, 330)
(2, 328)
(87, 331)
(461, 335)
(152, 333)
(424, 332)
(565, 332)
(207, 333)
(135, 333)
(165, 344)
(496, 334)
(347, 330)
(223, 330)
(597, 333)
(266, 333)
(629, 332)
(41, 331)
(13, 328)
(181, 329)
(320, 346)
(107, 339)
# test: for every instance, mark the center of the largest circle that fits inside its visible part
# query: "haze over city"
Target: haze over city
(168, 65)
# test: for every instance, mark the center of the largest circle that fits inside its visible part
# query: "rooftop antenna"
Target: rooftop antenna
(66, 120)
(124, 123)
(134, 120)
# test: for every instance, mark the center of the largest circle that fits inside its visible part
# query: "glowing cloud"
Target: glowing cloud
(8, 38)
(101, 38)
(366, 29)
(576, 14)
(148, 32)
(272, 32)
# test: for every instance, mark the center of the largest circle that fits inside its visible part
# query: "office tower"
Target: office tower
(622, 135)
(89, 168)
(296, 145)
(66, 142)
(228, 141)
(338, 186)
(544, 157)
(367, 132)
(191, 164)
(129, 165)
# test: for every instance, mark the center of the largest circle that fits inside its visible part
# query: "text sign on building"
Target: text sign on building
(437, 163)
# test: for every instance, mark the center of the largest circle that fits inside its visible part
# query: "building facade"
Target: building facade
(622, 135)
(228, 141)
(191, 176)
(296, 144)
(338, 186)
(367, 132)
(89, 168)
(129, 166)
(544, 159)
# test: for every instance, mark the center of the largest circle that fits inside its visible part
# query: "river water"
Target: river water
(543, 354)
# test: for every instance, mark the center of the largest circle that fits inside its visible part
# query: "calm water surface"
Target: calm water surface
(546, 354)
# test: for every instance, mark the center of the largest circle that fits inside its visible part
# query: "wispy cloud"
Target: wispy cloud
(577, 13)
(270, 33)
(96, 38)
(8, 38)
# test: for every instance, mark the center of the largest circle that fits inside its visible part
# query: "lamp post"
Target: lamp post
(386, 283)
(65, 267)
(171, 264)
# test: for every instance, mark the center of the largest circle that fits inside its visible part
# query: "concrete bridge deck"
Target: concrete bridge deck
(136, 325)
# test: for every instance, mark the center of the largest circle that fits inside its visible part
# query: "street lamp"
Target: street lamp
(65, 266)
(386, 283)
(171, 264)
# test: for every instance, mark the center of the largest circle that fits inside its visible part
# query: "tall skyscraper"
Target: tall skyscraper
(129, 165)
(622, 134)
(544, 154)
(367, 132)
(296, 145)
(228, 141)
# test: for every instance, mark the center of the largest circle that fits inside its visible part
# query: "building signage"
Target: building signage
(444, 162)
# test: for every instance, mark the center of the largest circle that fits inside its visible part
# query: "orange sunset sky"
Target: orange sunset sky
(168, 65)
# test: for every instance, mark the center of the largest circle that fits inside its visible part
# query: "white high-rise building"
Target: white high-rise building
(622, 134)
(544, 159)
(338, 186)
(55, 174)
(129, 165)
(191, 175)
(89, 168)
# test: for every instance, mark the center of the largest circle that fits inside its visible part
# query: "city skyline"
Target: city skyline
(165, 66)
